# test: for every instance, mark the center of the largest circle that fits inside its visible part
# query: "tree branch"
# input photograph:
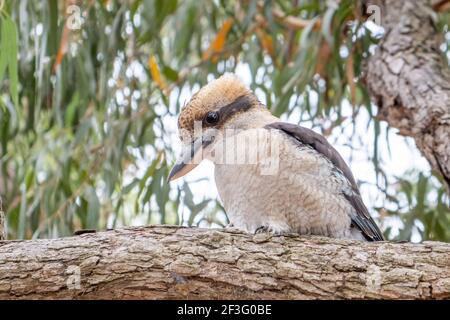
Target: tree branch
(410, 81)
(173, 262)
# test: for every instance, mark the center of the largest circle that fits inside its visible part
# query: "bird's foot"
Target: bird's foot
(262, 229)
(269, 229)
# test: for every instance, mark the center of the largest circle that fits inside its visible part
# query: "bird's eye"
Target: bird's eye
(211, 118)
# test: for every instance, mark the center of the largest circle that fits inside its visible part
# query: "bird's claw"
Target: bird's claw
(262, 229)
(269, 229)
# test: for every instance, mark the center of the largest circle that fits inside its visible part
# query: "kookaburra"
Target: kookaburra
(271, 175)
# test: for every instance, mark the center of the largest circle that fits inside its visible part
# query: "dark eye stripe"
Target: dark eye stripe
(241, 104)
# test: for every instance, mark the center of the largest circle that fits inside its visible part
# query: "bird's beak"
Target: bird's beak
(191, 156)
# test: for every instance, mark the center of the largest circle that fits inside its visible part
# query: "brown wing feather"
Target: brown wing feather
(362, 219)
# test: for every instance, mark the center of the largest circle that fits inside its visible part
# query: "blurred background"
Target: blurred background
(90, 92)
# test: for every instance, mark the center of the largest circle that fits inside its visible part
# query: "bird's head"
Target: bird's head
(206, 115)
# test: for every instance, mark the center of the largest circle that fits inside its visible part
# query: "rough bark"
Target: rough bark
(409, 79)
(172, 262)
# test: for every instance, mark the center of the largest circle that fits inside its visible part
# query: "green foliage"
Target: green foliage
(86, 114)
(8, 56)
(422, 207)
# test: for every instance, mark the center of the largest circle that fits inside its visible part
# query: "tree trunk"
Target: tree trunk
(409, 79)
(168, 262)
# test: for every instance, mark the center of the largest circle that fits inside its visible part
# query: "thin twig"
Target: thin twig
(291, 21)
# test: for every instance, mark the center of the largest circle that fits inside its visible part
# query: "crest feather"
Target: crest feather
(214, 95)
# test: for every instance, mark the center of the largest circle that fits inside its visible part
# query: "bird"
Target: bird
(271, 176)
